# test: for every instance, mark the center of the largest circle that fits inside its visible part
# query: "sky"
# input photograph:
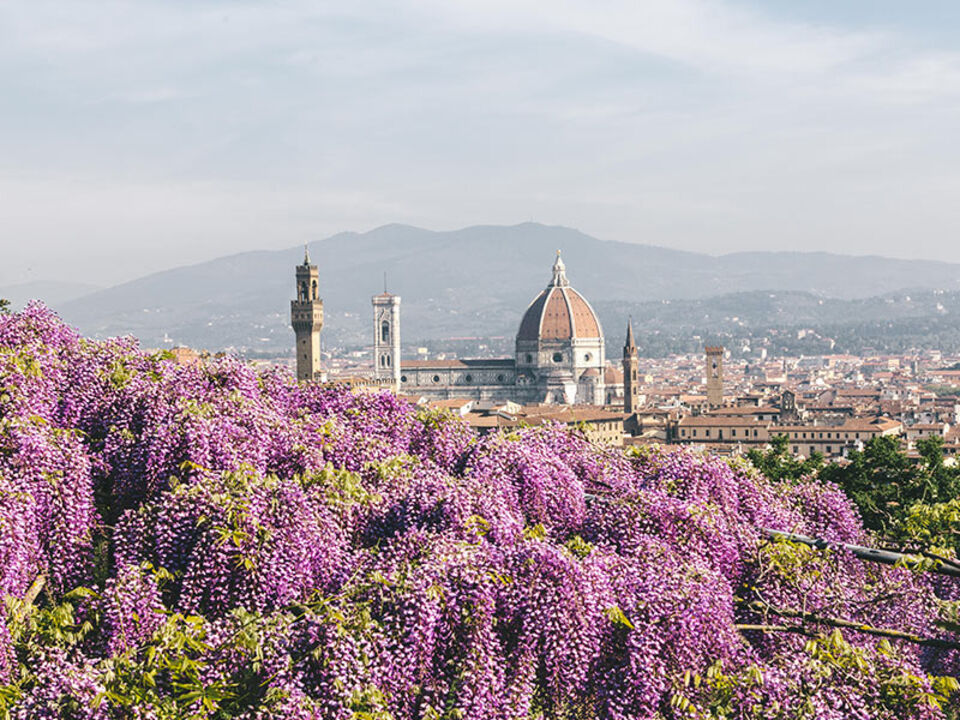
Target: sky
(138, 136)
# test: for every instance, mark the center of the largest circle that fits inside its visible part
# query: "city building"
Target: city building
(560, 357)
(306, 316)
(386, 337)
(714, 376)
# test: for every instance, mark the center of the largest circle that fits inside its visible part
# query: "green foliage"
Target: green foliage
(886, 486)
(935, 526)
(4, 306)
(168, 675)
(719, 694)
(778, 463)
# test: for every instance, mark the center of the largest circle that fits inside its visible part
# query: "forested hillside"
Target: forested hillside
(478, 281)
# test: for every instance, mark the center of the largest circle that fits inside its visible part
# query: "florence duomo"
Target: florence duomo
(560, 357)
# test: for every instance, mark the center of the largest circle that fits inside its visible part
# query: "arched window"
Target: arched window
(385, 332)
(313, 296)
(303, 292)
(388, 361)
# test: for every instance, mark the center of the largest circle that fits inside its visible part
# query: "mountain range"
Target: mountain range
(474, 282)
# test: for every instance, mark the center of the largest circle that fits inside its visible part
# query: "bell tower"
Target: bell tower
(386, 336)
(714, 376)
(631, 391)
(306, 316)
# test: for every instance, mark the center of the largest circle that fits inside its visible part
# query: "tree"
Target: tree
(778, 463)
(886, 484)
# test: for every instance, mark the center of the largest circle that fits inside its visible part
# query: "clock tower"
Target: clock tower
(386, 337)
(306, 316)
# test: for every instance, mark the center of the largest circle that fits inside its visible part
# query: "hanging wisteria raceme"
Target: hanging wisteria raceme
(214, 541)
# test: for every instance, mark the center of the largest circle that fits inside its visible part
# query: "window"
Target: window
(558, 357)
(829, 449)
(468, 378)
(733, 433)
(500, 378)
(708, 432)
(385, 332)
(588, 357)
(529, 358)
(436, 378)
(795, 449)
(403, 378)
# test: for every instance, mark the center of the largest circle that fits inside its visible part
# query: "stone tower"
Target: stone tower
(714, 376)
(306, 316)
(631, 394)
(386, 337)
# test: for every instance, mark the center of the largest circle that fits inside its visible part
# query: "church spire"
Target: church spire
(630, 345)
(559, 273)
(306, 254)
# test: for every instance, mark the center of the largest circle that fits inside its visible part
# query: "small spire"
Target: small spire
(306, 254)
(629, 344)
(559, 273)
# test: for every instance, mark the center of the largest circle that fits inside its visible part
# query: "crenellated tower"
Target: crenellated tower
(386, 336)
(631, 391)
(306, 316)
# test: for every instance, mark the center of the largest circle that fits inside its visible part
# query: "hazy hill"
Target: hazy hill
(475, 281)
(52, 293)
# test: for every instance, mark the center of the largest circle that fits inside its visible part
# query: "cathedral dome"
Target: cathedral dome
(559, 312)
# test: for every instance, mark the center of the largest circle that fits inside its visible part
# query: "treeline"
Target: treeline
(913, 504)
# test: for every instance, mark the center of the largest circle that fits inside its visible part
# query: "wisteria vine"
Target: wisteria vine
(213, 541)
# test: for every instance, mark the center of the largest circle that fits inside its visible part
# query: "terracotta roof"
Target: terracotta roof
(714, 421)
(559, 313)
(854, 424)
(745, 411)
(534, 415)
(612, 376)
(474, 363)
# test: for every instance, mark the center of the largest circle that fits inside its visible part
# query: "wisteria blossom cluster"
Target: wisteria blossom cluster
(213, 541)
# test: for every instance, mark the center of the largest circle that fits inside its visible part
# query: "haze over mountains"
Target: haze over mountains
(477, 282)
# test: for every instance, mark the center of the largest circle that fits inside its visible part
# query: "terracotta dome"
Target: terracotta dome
(559, 312)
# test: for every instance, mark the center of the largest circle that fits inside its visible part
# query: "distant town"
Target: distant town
(559, 372)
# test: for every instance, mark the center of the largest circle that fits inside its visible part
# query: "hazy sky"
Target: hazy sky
(137, 136)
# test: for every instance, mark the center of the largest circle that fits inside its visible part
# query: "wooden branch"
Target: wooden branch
(796, 629)
(844, 624)
(35, 587)
(886, 557)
